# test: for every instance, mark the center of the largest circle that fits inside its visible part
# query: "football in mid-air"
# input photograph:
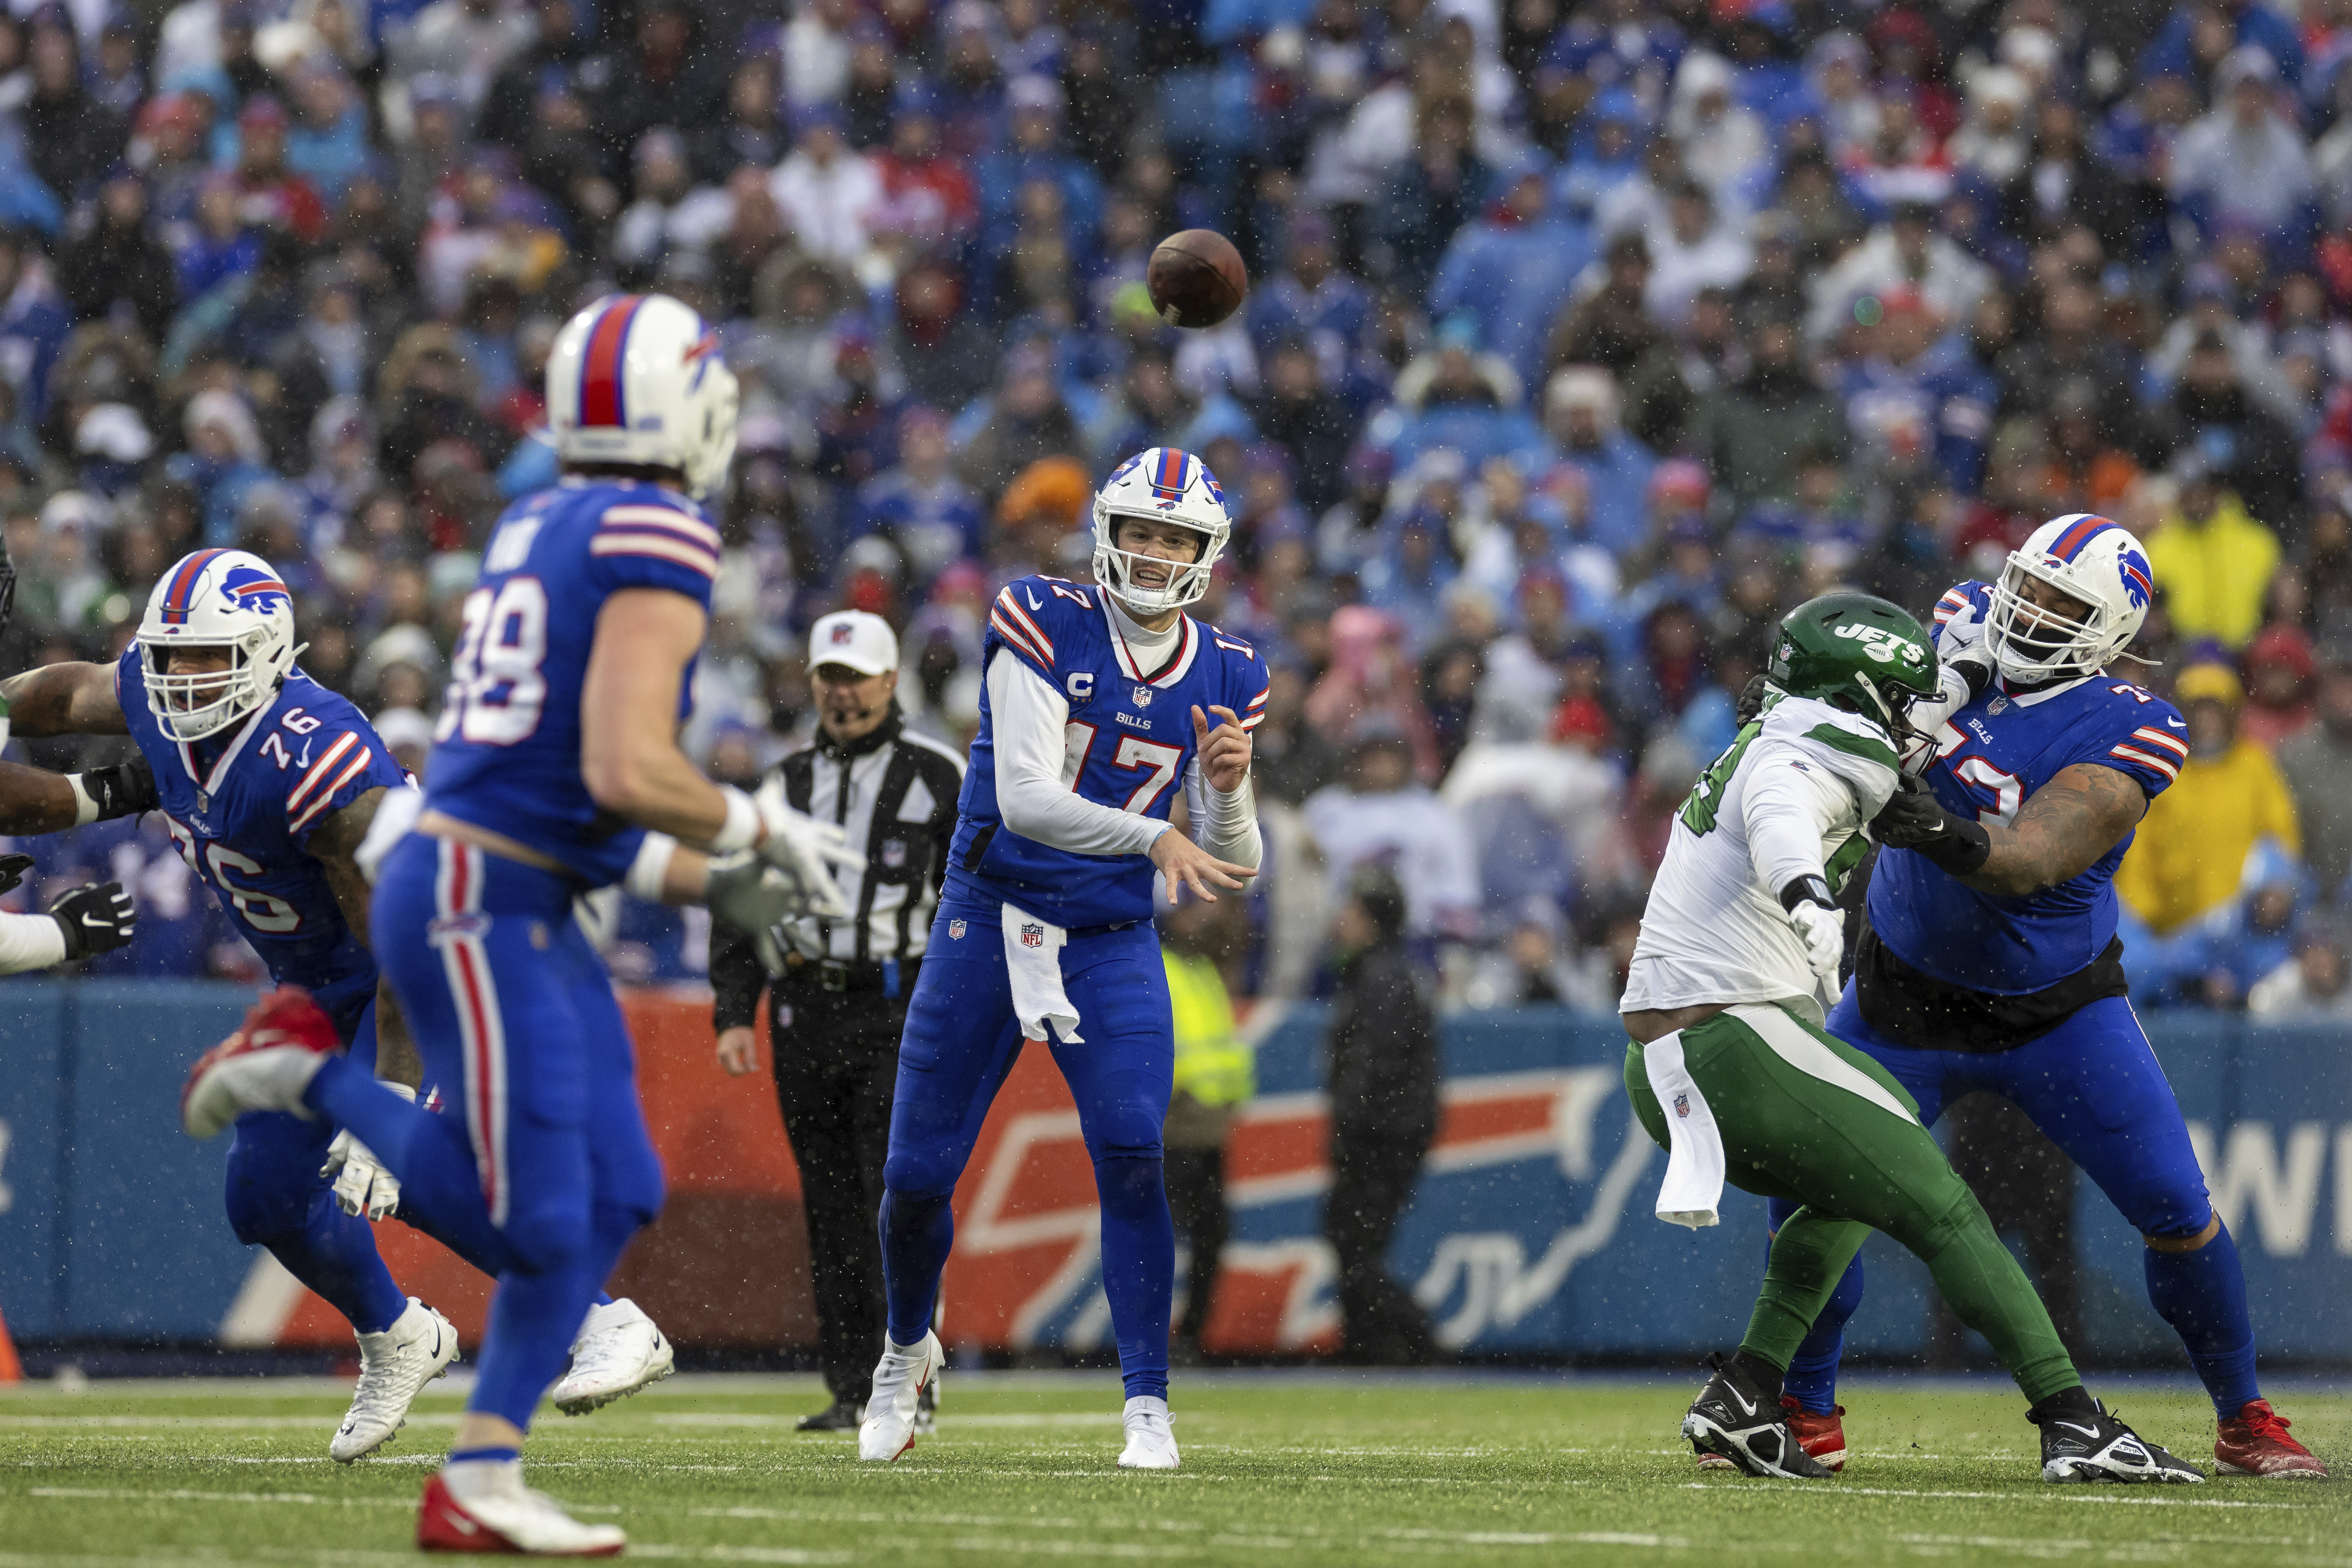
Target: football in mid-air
(1196, 278)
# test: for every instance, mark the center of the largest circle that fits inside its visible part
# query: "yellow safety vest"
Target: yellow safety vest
(1212, 1065)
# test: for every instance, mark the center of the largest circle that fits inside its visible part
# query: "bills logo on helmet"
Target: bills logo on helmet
(2137, 580)
(248, 589)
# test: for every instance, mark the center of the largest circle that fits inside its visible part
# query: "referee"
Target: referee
(837, 1011)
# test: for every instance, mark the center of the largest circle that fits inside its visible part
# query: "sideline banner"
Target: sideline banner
(1531, 1231)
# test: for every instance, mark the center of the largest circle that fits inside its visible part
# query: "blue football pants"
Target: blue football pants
(961, 1041)
(2094, 1088)
(540, 1160)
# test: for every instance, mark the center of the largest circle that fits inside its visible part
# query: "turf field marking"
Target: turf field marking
(2053, 1495)
(728, 1418)
(198, 1423)
(185, 1494)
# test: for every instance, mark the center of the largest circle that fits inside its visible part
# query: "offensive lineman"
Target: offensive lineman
(556, 769)
(1096, 710)
(1724, 1002)
(1989, 959)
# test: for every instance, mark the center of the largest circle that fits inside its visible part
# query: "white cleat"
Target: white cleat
(394, 1367)
(513, 1521)
(1151, 1440)
(892, 1413)
(619, 1352)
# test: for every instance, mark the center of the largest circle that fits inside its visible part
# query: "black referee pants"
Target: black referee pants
(836, 1061)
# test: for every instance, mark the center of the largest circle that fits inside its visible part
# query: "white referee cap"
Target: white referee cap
(863, 642)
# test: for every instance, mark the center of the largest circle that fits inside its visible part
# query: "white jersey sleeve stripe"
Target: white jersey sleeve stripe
(662, 517)
(326, 796)
(661, 546)
(2145, 759)
(1037, 636)
(2159, 738)
(1013, 635)
(321, 769)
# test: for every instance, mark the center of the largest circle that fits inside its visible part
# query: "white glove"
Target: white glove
(753, 896)
(805, 850)
(1823, 931)
(362, 1186)
(1962, 632)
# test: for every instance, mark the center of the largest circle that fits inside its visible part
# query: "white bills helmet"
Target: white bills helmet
(2089, 558)
(217, 599)
(1162, 484)
(638, 379)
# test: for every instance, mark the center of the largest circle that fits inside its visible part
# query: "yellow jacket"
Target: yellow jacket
(1212, 1063)
(2214, 573)
(2191, 848)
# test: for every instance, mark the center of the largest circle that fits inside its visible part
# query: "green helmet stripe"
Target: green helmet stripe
(1854, 745)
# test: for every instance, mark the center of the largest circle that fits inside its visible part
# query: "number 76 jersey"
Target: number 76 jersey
(242, 807)
(1993, 756)
(505, 755)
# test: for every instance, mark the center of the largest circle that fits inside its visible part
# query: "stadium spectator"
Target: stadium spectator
(2212, 561)
(2318, 767)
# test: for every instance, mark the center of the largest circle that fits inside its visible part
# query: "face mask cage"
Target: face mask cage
(191, 705)
(1115, 568)
(2032, 642)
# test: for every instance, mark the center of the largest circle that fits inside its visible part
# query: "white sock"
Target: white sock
(470, 1479)
(1145, 1404)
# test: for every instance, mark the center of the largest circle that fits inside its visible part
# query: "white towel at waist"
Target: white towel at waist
(1032, 956)
(1693, 1185)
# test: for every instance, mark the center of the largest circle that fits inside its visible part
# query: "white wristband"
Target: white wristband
(85, 805)
(649, 870)
(741, 828)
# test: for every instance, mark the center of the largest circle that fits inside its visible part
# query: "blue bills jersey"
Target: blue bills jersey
(505, 755)
(1128, 745)
(242, 806)
(1990, 756)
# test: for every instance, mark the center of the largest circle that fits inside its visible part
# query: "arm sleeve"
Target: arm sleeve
(1026, 718)
(29, 942)
(1786, 803)
(1226, 824)
(736, 977)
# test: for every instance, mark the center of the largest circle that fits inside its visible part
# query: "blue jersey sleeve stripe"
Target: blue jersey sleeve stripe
(357, 766)
(320, 772)
(660, 546)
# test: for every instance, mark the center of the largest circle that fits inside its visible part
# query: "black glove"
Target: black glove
(1915, 819)
(95, 919)
(12, 870)
(125, 789)
(1751, 699)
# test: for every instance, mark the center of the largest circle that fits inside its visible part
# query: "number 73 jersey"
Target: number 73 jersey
(242, 807)
(1991, 757)
(506, 753)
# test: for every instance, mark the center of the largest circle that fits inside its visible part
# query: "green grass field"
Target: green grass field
(1318, 1468)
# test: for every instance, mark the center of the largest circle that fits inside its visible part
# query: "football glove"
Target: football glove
(1913, 818)
(362, 1184)
(747, 892)
(1751, 699)
(1813, 909)
(1965, 630)
(12, 870)
(95, 919)
(805, 850)
(125, 789)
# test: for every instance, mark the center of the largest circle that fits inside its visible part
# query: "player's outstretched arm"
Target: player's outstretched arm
(2063, 830)
(64, 699)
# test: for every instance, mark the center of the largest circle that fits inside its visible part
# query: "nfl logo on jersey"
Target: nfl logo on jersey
(1143, 697)
(1682, 1105)
(1032, 934)
(955, 930)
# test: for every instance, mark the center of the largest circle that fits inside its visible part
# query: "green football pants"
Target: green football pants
(1805, 1117)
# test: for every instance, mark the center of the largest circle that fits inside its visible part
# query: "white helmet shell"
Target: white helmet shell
(224, 599)
(2089, 558)
(638, 379)
(1160, 484)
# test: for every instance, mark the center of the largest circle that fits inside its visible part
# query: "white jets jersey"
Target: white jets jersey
(1789, 798)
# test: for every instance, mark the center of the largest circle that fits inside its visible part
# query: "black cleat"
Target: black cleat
(1738, 1423)
(2098, 1448)
(840, 1416)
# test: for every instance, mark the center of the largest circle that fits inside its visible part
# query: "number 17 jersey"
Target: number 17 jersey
(505, 755)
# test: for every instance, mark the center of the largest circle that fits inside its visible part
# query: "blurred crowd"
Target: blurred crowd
(1584, 339)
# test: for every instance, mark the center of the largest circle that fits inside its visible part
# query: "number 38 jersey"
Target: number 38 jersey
(505, 755)
(242, 807)
(1991, 757)
(1127, 744)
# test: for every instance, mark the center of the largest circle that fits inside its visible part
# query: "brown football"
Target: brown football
(1196, 278)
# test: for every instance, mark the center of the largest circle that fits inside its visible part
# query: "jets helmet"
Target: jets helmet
(223, 599)
(1162, 484)
(2090, 559)
(638, 379)
(1857, 652)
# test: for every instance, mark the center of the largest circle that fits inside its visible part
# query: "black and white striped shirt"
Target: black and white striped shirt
(893, 795)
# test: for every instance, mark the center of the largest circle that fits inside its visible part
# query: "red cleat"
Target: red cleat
(517, 1522)
(264, 1066)
(2255, 1442)
(1822, 1436)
